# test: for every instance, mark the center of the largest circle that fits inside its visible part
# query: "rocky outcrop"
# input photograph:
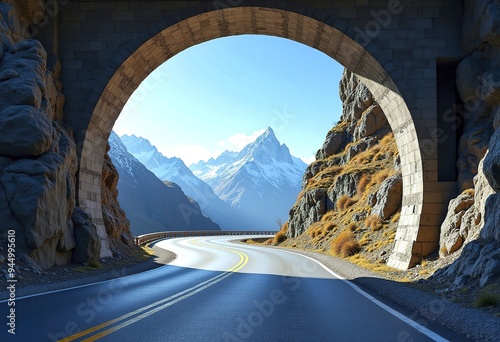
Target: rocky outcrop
(115, 220)
(472, 227)
(88, 244)
(388, 198)
(453, 232)
(335, 175)
(38, 160)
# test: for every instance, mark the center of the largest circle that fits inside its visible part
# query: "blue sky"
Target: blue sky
(220, 95)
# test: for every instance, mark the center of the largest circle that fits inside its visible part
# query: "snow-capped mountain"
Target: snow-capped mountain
(150, 204)
(261, 182)
(174, 170)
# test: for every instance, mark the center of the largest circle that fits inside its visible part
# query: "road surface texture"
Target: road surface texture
(218, 291)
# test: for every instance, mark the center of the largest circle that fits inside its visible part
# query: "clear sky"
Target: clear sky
(220, 95)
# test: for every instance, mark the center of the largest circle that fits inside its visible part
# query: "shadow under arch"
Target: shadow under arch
(329, 35)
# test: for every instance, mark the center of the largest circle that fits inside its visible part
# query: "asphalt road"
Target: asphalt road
(218, 291)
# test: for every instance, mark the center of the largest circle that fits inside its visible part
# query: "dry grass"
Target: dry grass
(344, 202)
(342, 231)
(395, 218)
(345, 244)
(329, 216)
(328, 227)
(381, 176)
(352, 227)
(363, 184)
(315, 230)
(469, 191)
(281, 235)
(376, 267)
(374, 222)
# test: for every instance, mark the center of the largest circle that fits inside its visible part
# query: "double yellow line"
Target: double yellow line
(139, 314)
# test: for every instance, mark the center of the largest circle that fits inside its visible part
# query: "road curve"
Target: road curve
(218, 291)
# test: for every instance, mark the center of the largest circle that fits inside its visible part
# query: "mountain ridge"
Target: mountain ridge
(150, 204)
(262, 178)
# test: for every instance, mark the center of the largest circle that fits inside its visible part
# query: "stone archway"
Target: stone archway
(415, 237)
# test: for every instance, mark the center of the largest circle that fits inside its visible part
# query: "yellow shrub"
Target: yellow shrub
(279, 237)
(363, 184)
(345, 244)
(374, 222)
(328, 226)
(345, 202)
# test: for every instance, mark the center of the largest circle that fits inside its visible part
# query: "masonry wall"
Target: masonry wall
(404, 38)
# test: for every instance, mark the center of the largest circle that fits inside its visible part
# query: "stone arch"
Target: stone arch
(329, 35)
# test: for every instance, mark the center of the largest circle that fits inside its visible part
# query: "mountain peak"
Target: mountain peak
(268, 131)
(269, 134)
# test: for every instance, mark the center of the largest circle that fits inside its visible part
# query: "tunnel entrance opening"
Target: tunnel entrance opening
(139, 58)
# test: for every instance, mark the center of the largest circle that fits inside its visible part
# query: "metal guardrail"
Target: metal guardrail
(146, 238)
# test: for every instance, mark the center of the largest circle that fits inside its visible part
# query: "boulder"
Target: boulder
(372, 120)
(345, 184)
(389, 197)
(472, 147)
(471, 23)
(490, 24)
(29, 59)
(88, 244)
(473, 219)
(355, 97)
(491, 167)
(491, 227)
(451, 233)
(31, 12)
(468, 78)
(333, 144)
(308, 209)
(490, 90)
(38, 199)
(24, 131)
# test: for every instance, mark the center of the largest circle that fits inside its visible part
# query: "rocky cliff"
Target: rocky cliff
(115, 220)
(38, 161)
(338, 198)
(471, 231)
(354, 187)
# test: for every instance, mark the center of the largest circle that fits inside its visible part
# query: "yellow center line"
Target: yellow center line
(161, 304)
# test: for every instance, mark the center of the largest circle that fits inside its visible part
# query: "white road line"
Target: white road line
(429, 333)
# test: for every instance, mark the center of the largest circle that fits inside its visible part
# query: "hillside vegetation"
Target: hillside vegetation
(351, 197)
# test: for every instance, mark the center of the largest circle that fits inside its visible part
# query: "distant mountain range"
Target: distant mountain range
(174, 170)
(150, 204)
(247, 190)
(261, 182)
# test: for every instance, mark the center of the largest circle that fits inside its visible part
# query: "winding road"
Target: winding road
(217, 290)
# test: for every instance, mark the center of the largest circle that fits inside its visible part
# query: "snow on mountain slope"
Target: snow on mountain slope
(174, 170)
(261, 182)
(150, 204)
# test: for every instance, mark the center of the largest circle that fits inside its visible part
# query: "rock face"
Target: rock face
(388, 198)
(472, 227)
(115, 220)
(335, 175)
(38, 161)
